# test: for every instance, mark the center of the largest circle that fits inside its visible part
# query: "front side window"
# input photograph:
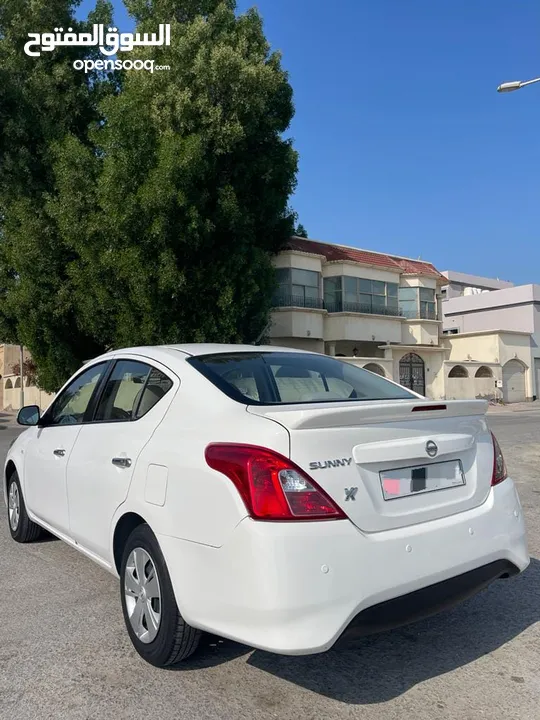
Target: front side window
(285, 378)
(71, 405)
(132, 389)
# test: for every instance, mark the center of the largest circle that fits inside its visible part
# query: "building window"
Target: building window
(349, 294)
(9, 385)
(297, 288)
(484, 372)
(458, 371)
(417, 302)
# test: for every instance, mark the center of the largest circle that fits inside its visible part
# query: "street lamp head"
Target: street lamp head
(509, 86)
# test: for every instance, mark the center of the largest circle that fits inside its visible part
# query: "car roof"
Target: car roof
(219, 348)
(194, 349)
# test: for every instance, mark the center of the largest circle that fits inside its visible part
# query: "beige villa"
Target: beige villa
(385, 313)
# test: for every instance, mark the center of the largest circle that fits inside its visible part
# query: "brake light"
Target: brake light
(499, 466)
(425, 408)
(271, 486)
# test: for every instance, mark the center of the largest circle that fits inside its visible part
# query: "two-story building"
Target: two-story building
(372, 309)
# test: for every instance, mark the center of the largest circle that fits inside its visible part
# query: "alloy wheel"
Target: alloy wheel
(143, 595)
(14, 506)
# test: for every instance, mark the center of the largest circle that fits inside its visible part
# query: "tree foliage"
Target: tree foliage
(42, 100)
(154, 202)
(301, 231)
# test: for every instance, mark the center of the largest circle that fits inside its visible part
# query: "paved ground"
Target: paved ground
(64, 653)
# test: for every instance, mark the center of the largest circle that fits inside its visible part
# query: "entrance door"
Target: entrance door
(412, 373)
(513, 382)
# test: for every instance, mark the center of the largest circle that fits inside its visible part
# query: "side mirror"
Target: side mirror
(29, 415)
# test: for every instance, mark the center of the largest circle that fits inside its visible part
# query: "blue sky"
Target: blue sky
(405, 145)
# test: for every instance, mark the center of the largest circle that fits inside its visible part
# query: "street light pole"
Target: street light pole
(516, 85)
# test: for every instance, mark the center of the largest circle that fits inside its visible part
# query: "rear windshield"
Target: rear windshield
(269, 378)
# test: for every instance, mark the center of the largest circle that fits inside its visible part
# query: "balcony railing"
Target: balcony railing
(419, 315)
(341, 306)
(284, 300)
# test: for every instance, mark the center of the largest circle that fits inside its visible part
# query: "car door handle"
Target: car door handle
(121, 462)
(60, 452)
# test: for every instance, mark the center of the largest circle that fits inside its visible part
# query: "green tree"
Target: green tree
(42, 101)
(159, 198)
(301, 231)
(186, 199)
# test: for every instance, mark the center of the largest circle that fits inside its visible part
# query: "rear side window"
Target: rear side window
(132, 389)
(291, 378)
(157, 385)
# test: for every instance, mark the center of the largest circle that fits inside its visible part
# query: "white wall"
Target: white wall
(494, 348)
(386, 365)
(357, 327)
(297, 323)
(298, 260)
(32, 396)
(299, 343)
(424, 332)
(471, 387)
(508, 309)
(417, 281)
(353, 270)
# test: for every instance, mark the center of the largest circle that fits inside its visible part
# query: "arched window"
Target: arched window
(458, 371)
(9, 384)
(484, 372)
(18, 382)
(374, 368)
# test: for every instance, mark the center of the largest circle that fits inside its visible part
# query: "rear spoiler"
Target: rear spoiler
(336, 414)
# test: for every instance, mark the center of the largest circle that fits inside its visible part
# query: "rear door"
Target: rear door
(134, 399)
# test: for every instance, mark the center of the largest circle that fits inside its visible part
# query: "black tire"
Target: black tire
(175, 640)
(25, 531)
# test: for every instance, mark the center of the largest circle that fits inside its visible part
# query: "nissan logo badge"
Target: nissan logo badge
(431, 448)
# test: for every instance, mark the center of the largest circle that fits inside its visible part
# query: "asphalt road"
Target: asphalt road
(64, 653)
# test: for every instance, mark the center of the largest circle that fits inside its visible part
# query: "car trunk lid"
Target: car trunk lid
(390, 464)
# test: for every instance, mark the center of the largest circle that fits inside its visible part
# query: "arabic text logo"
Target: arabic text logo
(109, 43)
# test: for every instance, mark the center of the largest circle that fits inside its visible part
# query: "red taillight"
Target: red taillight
(499, 466)
(271, 486)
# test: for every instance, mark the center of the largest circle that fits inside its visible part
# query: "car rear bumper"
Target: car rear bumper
(294, 588)
(426, 601)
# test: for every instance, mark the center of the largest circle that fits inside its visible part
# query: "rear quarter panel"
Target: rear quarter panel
(199, 504)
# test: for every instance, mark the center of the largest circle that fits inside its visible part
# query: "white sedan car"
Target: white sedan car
(279, 498)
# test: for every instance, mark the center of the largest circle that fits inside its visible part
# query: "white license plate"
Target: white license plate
(408, 481)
